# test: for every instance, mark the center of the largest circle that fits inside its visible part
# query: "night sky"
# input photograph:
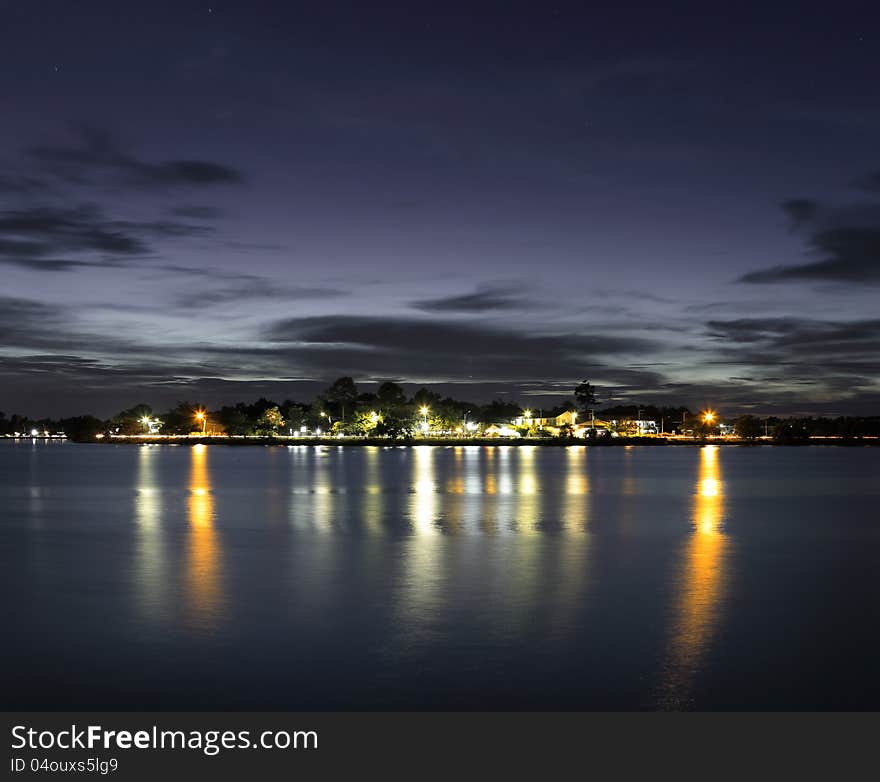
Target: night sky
(219, 201)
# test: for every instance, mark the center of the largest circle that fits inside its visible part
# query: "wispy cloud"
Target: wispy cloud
(96, 154)
(486, 298)
(845, 242)
(61, 239)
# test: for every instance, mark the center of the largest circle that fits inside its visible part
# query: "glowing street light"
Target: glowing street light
(424, 411)
(374, 417)
(200, 416)
(146, 422)
(708, 417)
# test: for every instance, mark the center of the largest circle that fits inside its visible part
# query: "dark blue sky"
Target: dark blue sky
(214, 201)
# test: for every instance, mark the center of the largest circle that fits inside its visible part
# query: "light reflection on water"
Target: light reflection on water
(575, 511)
(527, 502)
(372, 504)
(701, 580)
(150, 571)
(469, 576)
(203, 591)
(423, 577)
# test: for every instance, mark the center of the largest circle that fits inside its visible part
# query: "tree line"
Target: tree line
(388, 412)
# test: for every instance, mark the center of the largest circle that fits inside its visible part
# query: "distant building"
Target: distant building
(553, 423)
(646, 427)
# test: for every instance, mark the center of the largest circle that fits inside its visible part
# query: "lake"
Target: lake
(462, 577)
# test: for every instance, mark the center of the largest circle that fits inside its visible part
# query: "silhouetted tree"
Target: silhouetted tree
(82, 428)
(585, 395)
(294, 414)
(499, 410)
(235, 420)
(748, 427)
(131, 421)
(390, 396)
(341, 397)
(790, 432)
(181, 419)
(426, 398)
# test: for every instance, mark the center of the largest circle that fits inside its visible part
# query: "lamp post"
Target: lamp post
(424, 411)
(708, 418)
(200, 416)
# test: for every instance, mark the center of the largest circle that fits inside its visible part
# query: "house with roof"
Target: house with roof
(553, 424)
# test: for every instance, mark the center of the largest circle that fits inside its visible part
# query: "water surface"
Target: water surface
(194, 577)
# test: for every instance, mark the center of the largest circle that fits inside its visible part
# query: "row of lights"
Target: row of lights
(200, 416)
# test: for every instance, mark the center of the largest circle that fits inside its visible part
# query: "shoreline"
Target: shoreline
(615, 442)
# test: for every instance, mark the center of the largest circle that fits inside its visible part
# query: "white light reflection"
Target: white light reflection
(150, 571)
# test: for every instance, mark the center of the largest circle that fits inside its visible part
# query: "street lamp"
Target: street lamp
(708, 417)
(200, 416)
(424, 411)
(146, 422)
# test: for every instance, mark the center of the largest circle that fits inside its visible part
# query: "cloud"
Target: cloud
(96, 154)
(60, 239)
(844, 240)
(197, 212)
(23, 185)
(39, 238)
(55, 224)
(485, 298)
(817, 336)
(28, 324)
(253, 287)
(415, 334)
(800, 211)
(421, 349)
(871, 182)
(791, 364)
(21, 318)
(852, 255)
(787, 340)
(837, 360)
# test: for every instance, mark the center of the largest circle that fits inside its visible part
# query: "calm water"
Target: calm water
(430, 577)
